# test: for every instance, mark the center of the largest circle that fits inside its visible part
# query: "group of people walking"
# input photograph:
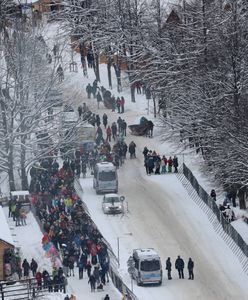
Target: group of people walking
(103, 95)
(179, 266)
(156, 164)
(68, 227)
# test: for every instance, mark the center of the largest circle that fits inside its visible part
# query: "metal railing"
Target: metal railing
(221, 225)
(23, 289)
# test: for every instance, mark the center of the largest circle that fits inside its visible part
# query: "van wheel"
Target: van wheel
(139, 283)
(160, 282)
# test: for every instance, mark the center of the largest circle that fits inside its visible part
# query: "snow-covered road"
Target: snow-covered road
(163, 216)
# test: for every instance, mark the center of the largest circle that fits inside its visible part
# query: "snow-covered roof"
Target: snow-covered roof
(146, 253)
(105, 166)
(111, 195)
(5, 234)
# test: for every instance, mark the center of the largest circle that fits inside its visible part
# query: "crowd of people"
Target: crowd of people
(179, 266)
(68, 227)
(156, 164)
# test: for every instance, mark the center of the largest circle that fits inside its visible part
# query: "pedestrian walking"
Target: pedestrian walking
(131, 149)
(179, 265)
(92, 282)
(122, 104)
(96, 274)
(124, 127)
(170, 163)
(168, 268)
(89, 90)
(99, 99)
(38, 277)
(191, 268)
(108, 132)
(163, 164)
(33, 267)
(26, 268)
(114, 130)
(80, 111)
(105, 120)
(88, 268)
(106, 297)
(118, 104)
(119, 122)
(175, 164)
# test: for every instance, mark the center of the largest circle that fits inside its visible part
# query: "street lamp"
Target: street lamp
(118, 246)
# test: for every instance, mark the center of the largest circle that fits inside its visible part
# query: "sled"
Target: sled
(137, 129)
(140, 129)
(108, 103)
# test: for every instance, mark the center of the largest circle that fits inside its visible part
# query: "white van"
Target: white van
(147, 266)
(105, 178)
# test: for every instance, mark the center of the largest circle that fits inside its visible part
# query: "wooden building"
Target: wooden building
(46, 6)
(6, 244)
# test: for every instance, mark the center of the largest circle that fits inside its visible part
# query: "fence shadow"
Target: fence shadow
(215, 216)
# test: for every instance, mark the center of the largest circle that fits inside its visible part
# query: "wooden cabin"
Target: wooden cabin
(46, 6)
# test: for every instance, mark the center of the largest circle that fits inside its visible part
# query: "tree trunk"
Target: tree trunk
(96, 67)
(118, 76)
(154, 106)
(132, 88)
(11, 170)
(242, 202)
(24, 179)
(109, 64)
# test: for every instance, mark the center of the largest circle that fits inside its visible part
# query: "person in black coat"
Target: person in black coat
(213, 194)
(175, 164)
(131, 149)
(92, 281)
(106, 297)
(99, 99)
(33, 267)
(168, 268)
(191, 268)
(179, 265)
(98, 120)
(88, 90)
(26, 268)
(105, 120)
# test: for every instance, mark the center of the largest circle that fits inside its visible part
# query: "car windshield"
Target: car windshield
(107, 176)
(111, 199)
(150, 265)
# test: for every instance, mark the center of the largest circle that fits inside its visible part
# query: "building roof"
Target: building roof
(5, 234)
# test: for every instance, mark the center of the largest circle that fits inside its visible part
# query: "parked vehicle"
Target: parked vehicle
(23, 197)
(105, 178)
(147, 266)
(113, 204)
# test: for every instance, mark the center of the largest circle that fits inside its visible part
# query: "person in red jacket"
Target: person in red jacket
(108, 132)
(170, 162)
(38, 278)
